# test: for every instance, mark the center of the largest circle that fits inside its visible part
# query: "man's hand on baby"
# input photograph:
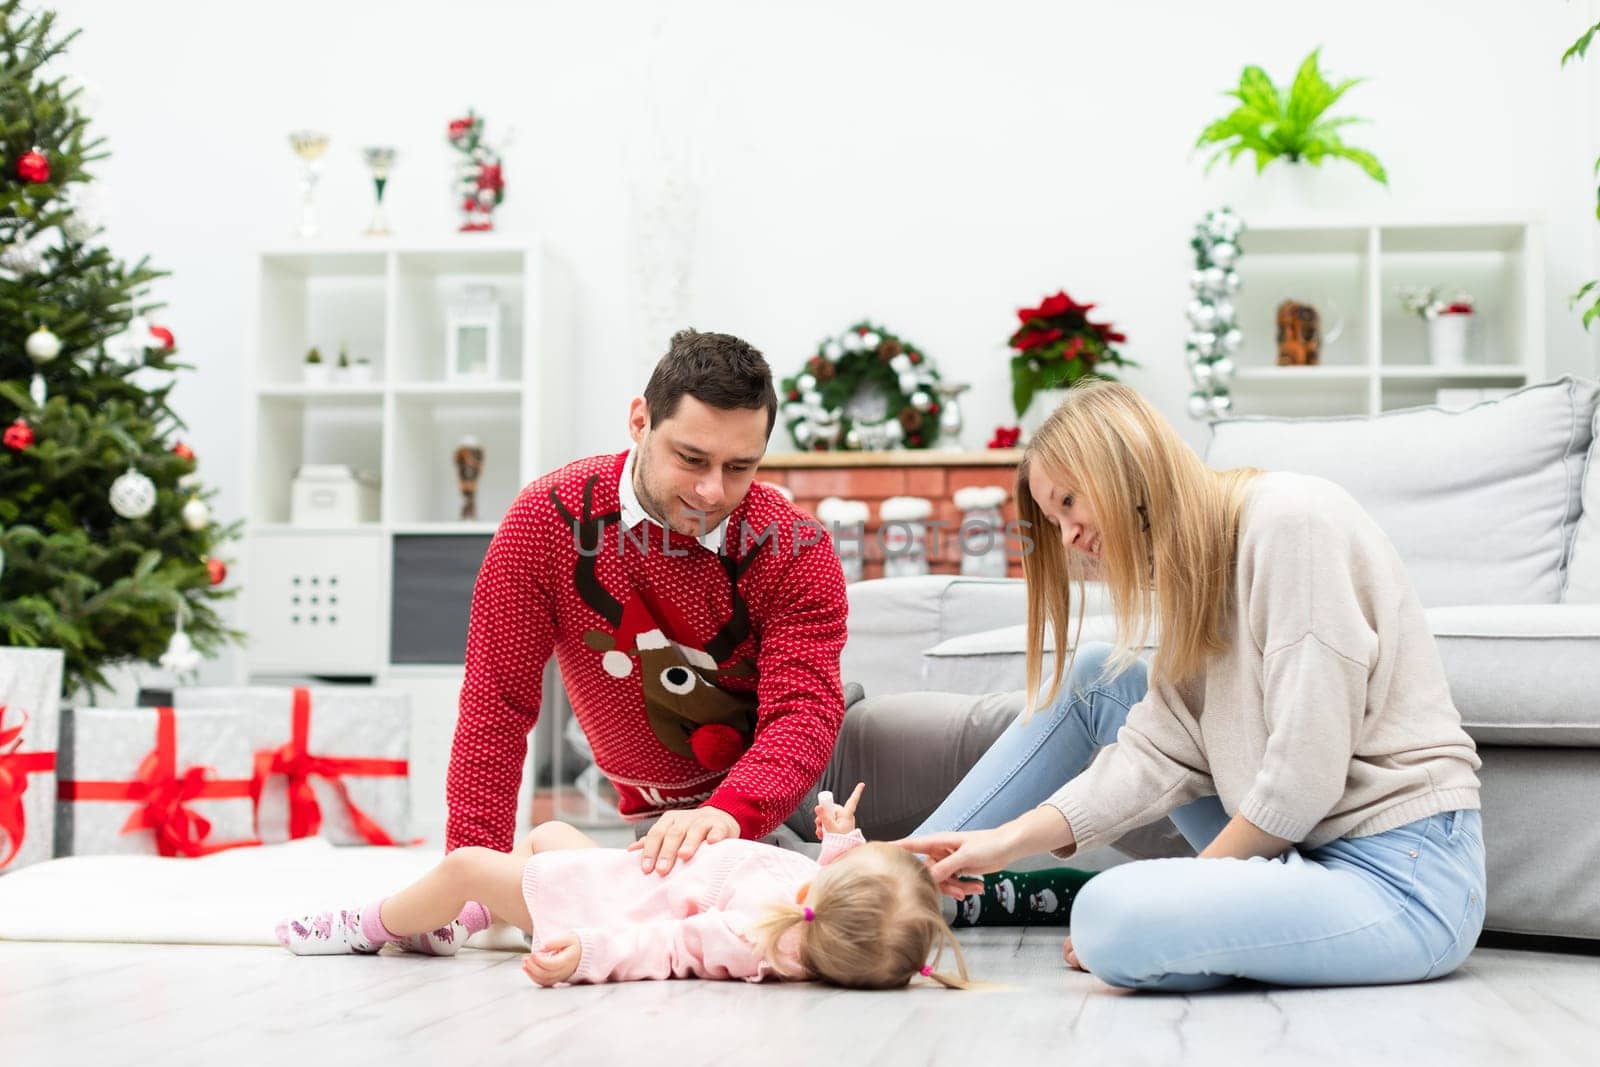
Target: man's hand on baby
(677, 835)
(555, 963)
(837, 818)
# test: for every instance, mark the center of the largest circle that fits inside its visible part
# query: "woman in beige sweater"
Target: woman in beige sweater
(1294, 721)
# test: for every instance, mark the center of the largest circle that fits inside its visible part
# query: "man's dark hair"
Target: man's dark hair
(717, 369)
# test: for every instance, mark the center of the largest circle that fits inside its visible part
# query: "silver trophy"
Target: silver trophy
(310, 146)
(380, 160)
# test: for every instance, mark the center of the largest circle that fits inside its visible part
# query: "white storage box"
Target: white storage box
(332, 495)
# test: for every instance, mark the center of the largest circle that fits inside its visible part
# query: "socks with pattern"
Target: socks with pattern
(1020, 898)
(362, 932)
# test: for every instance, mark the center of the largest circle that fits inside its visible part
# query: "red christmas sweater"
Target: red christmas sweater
(698, 677)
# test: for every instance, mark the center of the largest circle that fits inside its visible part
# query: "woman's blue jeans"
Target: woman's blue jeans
(1399, 906)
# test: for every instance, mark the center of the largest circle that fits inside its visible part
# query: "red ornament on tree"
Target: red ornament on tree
(183, 451)
(164, 335)
(217, 569)
(33, 167)
(18, 436)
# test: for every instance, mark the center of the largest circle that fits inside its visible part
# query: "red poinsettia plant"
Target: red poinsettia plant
(1056, 345)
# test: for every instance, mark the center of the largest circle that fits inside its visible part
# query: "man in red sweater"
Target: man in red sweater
(697, 619)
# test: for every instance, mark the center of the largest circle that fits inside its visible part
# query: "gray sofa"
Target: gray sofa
(1496, 511)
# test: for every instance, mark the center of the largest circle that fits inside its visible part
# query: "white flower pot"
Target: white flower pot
(1043, 403)
(316, 373)
(1447, 339)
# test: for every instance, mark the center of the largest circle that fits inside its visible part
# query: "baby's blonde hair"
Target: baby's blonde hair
(876, 924)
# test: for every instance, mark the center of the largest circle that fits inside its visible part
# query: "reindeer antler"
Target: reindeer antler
(588, 531)
(737, 628)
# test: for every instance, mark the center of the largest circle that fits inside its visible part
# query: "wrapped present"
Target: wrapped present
(330, 761)
(30, 701)
(153, 780)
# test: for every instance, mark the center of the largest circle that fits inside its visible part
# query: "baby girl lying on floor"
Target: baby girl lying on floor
(862, 915)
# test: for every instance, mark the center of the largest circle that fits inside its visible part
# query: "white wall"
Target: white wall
(932, 166)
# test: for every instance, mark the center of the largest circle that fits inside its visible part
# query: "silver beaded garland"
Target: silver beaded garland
(1214, 336)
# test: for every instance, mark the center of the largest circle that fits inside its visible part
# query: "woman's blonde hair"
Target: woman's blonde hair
(1168, 524)
(876, 924)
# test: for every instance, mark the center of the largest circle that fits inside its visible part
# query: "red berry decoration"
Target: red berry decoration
(33, 167)
(716, 746)
(164, 335)
(217, 569)
(18, 436)
(183, 451)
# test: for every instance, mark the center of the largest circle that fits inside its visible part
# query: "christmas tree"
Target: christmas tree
(107, 548)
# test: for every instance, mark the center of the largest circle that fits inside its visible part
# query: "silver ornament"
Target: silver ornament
(1204, 342)
(1197, 281)
(196, 515)
(42, 345)
(1199, 405)
(1225, 313)
(1232, 340)
(1224, 254)
(20, 258)
(1222, 370)
(1201, 373)
(806, 383)
(1221, 404)
(1202, 315)
(36, 390)
(132, 494)
(921, 400)
(1216, 278)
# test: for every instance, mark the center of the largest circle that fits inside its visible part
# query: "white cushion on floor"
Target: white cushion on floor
(231, 898)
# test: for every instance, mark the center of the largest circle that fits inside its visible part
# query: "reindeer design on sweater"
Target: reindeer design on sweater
(687, 710)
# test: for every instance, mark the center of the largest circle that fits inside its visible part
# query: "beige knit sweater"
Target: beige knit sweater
(1328, 716)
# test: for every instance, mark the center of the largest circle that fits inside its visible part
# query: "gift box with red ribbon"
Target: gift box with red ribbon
(330, 761)
(30, 701)
(153, 781)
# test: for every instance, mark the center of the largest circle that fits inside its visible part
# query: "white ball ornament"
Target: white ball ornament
(1221, 404)
(832, 351)
(42, 345)
(1199, 405)
(1197, 280)
(20, 257)
(1232, 339)
(908, 383)
(812, 399)
(1224, 254)
(1201, 372)
(196, 515)
(870, 341)
(1222, 371)
(921, 401)
(852, 342)
(132, 494)
(1203, 316)
(852, 440)
(806, 383)
(901, 364)
(1216, 279)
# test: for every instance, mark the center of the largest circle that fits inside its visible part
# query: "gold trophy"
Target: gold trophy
(309, 145)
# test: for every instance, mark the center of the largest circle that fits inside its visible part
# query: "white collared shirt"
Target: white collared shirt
(634, 513)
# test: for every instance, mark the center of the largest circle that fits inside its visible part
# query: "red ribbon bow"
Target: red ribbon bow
(15, 767)
(294, 761)
(164, 794)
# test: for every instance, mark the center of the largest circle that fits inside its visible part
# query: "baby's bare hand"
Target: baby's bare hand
(555, 963)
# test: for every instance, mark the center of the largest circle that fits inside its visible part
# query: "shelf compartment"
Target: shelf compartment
(1288, 265)
(292, 431)
(428, 428)
(426, 283)
(323, 300)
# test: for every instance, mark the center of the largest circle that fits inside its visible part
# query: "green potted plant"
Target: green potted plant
(1289, 124)
(1590, 290)
(314, 369)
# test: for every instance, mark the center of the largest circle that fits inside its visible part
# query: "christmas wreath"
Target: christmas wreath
(864, 390)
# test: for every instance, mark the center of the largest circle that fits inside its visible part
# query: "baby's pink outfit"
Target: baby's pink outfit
(688, 922)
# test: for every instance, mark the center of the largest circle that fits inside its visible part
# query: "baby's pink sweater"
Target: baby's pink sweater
(689, 922)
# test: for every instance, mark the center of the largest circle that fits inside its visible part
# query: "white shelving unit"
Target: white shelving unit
(385, 300)
(1351, 271)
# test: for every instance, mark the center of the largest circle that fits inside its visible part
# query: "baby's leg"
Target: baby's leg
(492, 879)
(551, 837)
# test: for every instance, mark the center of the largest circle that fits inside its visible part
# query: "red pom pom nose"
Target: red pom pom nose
(716, 746)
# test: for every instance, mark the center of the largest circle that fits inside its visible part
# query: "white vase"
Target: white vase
(316, 373)
(1447, 339)
(1043, 403)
